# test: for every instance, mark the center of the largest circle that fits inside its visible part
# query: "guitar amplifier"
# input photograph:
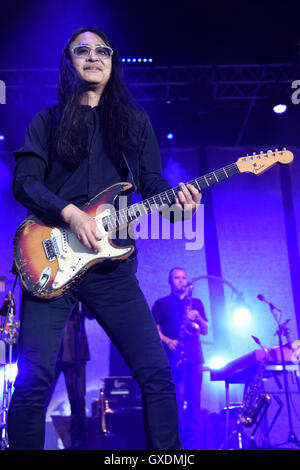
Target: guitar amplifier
(121, 392)
(119, 412)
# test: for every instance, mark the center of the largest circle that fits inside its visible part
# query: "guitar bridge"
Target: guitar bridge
(50, 248)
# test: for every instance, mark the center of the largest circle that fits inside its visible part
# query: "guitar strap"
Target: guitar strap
(133, 179)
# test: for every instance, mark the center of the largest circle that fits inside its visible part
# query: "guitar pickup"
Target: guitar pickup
(50, 248)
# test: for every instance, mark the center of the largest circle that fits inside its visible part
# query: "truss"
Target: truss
(168, 83)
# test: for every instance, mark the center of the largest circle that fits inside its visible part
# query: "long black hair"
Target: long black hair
(119, 111)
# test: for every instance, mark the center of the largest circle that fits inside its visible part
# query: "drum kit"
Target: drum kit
(9, 330)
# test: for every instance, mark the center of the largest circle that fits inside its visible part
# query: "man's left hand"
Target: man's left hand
(193, 315)
(188, 198)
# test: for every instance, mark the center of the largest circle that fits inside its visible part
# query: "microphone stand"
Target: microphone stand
(284, 331)
(8, 336)
(78, 337)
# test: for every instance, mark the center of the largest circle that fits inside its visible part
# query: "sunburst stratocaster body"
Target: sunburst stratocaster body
(50, 260)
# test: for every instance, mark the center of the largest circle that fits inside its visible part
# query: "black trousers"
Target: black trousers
(188, 383)
(115, 299)
(75, 380)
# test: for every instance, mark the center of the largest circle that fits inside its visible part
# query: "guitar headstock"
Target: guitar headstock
(260, 162)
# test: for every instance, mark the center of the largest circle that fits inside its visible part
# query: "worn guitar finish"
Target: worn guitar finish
(49, 260)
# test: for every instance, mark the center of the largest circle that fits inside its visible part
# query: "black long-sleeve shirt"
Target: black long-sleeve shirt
(168, 313)
(44, 186)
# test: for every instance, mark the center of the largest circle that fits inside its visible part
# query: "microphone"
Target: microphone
(272, 306)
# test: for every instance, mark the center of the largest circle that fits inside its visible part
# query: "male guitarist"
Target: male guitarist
(95, 137)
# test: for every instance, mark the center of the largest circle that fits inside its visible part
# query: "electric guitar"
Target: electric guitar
(50, 260)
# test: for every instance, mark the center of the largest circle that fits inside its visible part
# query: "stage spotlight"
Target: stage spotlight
(134, 60)
(279, 98)
(2, 137)
(280, 108)
(216, 363)
(11, 371)
(170, 136)
(241, 316)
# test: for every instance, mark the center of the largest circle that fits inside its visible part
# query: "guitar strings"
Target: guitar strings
(114, 219)
(170, 194)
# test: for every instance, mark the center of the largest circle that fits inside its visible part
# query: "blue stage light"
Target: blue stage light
(2, 137)
(241, 316)
(134, 60)
(170, 136)
(11, 371)
(216, 362)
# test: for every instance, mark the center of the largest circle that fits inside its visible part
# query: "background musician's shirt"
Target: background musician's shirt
(168, 313)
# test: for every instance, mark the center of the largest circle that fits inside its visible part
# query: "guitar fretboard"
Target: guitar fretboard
(155, 203)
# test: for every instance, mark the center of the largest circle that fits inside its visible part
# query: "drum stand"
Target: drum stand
(283, 331)
(8, 337)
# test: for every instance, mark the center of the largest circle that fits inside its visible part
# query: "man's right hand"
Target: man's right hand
(83, 226)
(172, 344)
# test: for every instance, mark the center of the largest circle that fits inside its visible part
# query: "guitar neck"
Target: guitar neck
(204, 182)
(155, 203)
